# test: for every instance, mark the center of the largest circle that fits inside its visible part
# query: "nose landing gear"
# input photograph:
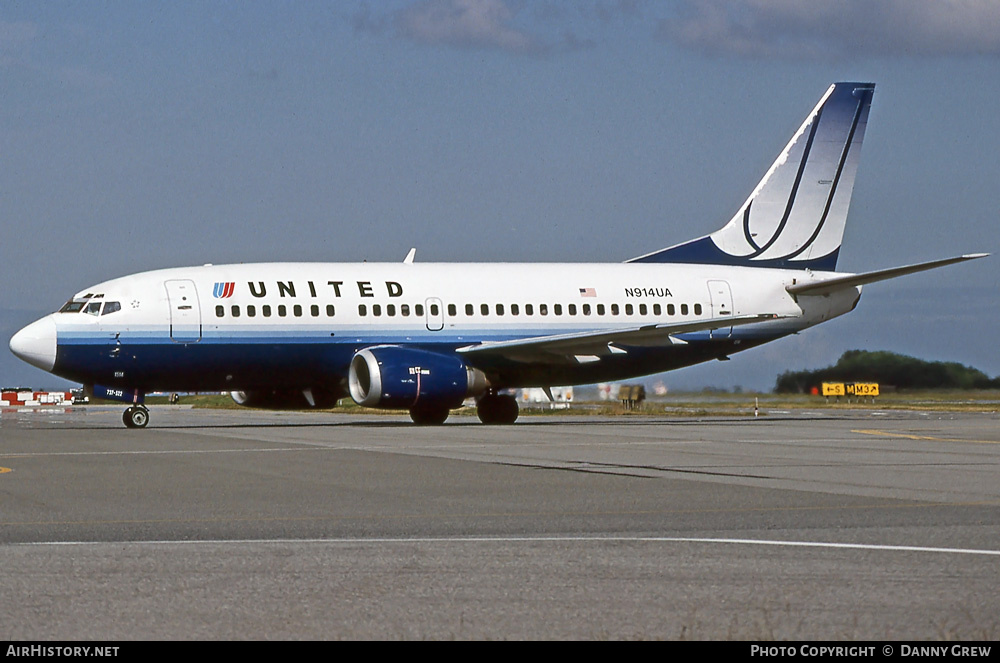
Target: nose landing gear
(136, 416)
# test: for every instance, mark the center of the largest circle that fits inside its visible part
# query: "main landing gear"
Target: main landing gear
(491, 408)
(136, 416)
(429, 416)
(497, 409)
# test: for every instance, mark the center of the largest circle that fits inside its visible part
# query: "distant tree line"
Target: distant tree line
(889, 369)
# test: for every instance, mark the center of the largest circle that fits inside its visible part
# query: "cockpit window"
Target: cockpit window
(73, 306)
(86, 304)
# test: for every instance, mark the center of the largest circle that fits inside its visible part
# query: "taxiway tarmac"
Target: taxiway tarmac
(250, 524)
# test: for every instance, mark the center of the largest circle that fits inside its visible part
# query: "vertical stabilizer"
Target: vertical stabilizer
(796, 215)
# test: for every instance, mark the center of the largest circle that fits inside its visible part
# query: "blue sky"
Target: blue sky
(140, 135)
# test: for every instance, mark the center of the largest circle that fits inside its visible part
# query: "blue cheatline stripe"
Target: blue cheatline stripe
(355, 337)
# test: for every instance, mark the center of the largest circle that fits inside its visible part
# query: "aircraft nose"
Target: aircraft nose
(36, 343)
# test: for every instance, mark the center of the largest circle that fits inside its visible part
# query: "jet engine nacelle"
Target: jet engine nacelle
(286, 399)
(394, 377)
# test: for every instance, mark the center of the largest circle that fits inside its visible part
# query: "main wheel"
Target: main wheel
(136, 417)
(429, 416)
(496, 409)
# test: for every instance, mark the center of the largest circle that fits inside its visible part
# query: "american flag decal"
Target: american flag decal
(224, 290)
(588, 292)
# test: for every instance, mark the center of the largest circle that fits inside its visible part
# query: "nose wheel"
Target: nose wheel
(136, 417)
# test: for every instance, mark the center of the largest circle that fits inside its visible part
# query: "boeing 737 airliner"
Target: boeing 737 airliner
(424, 337)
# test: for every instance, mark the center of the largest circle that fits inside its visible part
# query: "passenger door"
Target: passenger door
(185, 311)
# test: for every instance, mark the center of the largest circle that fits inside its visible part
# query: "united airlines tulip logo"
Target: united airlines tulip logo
(224, 290)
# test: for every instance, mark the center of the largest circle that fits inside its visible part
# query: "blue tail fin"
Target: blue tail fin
(795, 217)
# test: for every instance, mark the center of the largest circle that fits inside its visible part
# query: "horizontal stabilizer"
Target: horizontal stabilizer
(828, 286)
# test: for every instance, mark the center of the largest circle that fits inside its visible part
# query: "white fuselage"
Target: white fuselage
(299, 324)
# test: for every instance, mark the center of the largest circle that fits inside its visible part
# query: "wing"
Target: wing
(590, 346)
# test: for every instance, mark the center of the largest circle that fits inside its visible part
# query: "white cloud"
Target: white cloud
(465, 23)
(835, 28)
(537, 28)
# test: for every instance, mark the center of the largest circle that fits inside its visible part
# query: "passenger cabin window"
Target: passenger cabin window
(684, 309)
(469, 309)
(697, 309)
(515, 309)
(251, 311)
(220, 311)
